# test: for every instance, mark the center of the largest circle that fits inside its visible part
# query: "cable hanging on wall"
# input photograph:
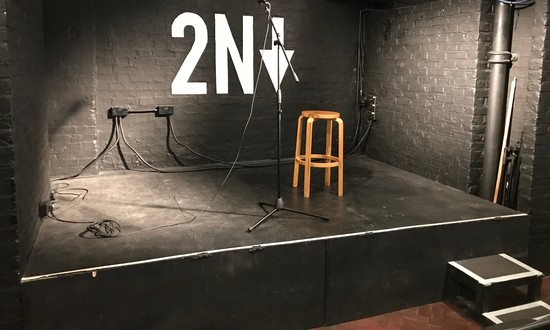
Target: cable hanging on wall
(172, 133)
(363, 103)
(117, 133)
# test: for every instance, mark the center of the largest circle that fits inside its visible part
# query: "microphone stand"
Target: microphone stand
(279, 204)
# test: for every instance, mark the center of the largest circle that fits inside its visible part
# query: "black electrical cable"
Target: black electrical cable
(107, 228)
(108, 147)
(63, 189)
(246, 124)
(110, 229)
(236, 156)
(154, 168)
(358, 81)
(172, 131)
(141, 111)
(357, 141)
(55, 217)
(120, 131)
(137, 153)
(366, 136)
(102, 229)
(363, 138)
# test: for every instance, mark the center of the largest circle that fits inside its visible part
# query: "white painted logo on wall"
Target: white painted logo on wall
(270, 55)
(225, 45)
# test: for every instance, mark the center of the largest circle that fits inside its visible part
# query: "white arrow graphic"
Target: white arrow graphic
(269, 56)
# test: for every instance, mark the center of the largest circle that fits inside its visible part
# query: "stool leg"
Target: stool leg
(328, 151)
(297, 154)
(307, 167)
(340, 156)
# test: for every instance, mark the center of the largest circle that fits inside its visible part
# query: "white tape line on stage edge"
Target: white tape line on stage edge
(248, 247)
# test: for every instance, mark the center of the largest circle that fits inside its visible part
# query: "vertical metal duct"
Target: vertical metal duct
(500, 62)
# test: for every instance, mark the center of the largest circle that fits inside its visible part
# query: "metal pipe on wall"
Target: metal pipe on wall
(500, 61)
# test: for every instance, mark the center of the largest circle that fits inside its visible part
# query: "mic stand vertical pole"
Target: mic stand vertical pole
(279, 204)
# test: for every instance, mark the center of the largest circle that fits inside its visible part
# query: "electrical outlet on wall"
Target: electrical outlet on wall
(44, 208)
(117, 112)
(164, 110)
(369, 104)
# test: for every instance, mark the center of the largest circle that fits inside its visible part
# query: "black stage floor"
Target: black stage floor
(385, 247)
(377, 197)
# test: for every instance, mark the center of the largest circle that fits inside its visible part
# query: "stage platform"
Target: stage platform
(384, 248)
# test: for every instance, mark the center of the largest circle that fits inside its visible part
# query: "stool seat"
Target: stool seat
(321, 114)
(326, 160)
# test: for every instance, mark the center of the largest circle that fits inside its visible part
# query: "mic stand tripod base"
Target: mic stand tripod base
(279, 205)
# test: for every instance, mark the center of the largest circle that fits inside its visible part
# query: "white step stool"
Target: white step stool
(487, 276)
(532, 311)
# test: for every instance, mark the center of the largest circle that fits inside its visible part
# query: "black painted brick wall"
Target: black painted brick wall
(421, 62)
(481, 95)
(26, 69)
(126, 49)
(10, 306)
(70, 69)
(522, 42)
(535, 168)
(24, 176)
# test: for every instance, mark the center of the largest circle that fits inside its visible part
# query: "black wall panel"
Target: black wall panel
(383, 272)
(276, 288)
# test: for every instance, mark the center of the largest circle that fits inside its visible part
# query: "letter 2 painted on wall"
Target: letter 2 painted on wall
(225, 44)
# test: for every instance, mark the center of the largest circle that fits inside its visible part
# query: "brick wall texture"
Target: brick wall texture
(101, 54)
(428, 66)
(70, 61)
(24, 174)
(10, 307)
(70, 72)
(535, 167)
(522, 43)
(422, 62)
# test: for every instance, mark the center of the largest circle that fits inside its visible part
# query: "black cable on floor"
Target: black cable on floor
(102, 229)
(63, 189)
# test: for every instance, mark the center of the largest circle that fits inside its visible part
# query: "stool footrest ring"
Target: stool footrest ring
(316, 157)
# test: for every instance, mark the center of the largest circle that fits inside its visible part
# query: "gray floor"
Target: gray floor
(376, 197)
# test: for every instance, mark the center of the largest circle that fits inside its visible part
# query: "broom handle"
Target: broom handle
(509, 107)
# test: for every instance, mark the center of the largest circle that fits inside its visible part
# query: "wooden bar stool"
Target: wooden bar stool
(326, 160)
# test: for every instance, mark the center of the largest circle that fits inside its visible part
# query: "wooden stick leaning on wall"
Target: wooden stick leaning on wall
(508, 122)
